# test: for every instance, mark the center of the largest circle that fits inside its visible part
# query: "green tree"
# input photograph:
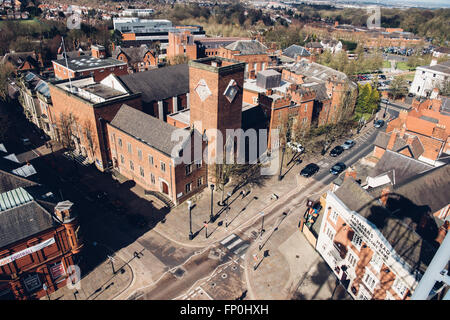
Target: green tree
(398, 87)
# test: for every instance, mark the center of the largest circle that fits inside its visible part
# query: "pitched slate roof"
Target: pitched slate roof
(247, 47)
(294, 50)
(150, 130)
(134, 54)
(159, 84)
(411, 142)
(399, 229)
(23, 221)
(399, 167)
(17, 59)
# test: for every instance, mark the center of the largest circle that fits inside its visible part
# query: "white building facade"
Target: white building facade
(429, 77)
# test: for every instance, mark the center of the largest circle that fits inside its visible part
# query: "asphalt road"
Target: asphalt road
(202, 266)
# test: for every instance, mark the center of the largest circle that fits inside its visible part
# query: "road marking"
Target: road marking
(239, 240)
(227, 239)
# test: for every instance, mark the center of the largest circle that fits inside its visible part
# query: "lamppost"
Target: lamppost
(191, 235)
(206, 229)
(212, 201)
(281, 166)
(111, 259)
(44, 286)
(226, 210)
(262, 221)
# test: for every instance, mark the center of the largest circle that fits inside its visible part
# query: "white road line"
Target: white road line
(227, 239)
(234, 244)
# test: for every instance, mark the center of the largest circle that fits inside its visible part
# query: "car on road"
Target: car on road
(309, 170)
(26, 141)
(338, 168)
(348, 144)
(384, 101)
(336, 151)
(379, 124)
(296, 146)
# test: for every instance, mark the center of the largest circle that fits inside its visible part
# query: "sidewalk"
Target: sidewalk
(292, 267)
(100, 283)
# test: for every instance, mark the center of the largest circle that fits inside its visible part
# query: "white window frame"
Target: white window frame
(356, 244)
(139, 152)
(150, 159)
(186, 187)
(141, 172)
(129, 148)
(376, 262)
(163, 166)
(395, 286)
(334, 216)
(131, 165)
(370, 280)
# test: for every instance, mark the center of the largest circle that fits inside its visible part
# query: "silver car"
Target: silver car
(348, 144)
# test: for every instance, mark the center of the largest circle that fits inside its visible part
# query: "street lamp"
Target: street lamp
(212, 216)
(262, 221)
(111, 259)
(191, 235)
(206, 229)
(226, 210)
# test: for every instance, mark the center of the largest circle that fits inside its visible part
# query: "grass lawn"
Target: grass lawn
(402, 66)
(386, 64)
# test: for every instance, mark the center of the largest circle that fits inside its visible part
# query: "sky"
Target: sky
(417, 3)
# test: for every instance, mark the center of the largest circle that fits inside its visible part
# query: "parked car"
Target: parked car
(384, 100)
(338, 168)
(26, 141)
(309, 170)
(379, 124)
(336, 151)
(296, 146)
(348, 144)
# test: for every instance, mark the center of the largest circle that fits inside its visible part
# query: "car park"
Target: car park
(336, 151)
(309, 170)
(338, 168)
(348, 144)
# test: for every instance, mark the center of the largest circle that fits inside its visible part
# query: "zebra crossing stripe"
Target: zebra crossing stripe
(234, 243)
(227, 239)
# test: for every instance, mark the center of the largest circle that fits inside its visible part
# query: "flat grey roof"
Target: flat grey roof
(86, 63)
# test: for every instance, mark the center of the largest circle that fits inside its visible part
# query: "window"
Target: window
(357, 241)
(120, 143)
(255, 100)
(131, 165)
(263, 66)
(163, 167)
(376, 262)
(199, 182)
(152, 178)
(199, 165)
(370, 280)
(188, 187)
(330, 232)
(122, 159)
(188, 169)
(141, 170)
(255, 66)
(150, 159)
(139, 154)
(129, 148)
(352, 259)
(334, 216)
(306, 108)
(399, 287)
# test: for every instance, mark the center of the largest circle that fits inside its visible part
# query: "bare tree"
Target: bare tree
(66, 126)
(88, 133)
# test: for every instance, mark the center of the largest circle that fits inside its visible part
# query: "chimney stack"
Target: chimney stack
(385, 194)
(63, 211)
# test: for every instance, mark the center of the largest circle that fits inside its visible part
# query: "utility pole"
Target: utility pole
(191, 235)
(212, 202)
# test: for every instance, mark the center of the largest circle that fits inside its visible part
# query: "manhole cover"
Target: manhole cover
(213, 284)
(233, 268)
(224, 275)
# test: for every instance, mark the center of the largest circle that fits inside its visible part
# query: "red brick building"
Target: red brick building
(23, 61)
(142, 150)
(97, 66)
(252, 52)
(379, 241)
(81, 109)
(138, 59)
(39, 239)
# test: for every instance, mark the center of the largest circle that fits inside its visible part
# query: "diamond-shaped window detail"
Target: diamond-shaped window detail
(231, 91)
(202, 90)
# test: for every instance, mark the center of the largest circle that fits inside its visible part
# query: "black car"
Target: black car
(309, 170)
(379, 123)
(336, 151)
(338, 168)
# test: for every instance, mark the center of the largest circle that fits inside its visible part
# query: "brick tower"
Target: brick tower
(215, 93)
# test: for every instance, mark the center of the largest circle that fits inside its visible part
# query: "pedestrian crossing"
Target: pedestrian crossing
(235, 244)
